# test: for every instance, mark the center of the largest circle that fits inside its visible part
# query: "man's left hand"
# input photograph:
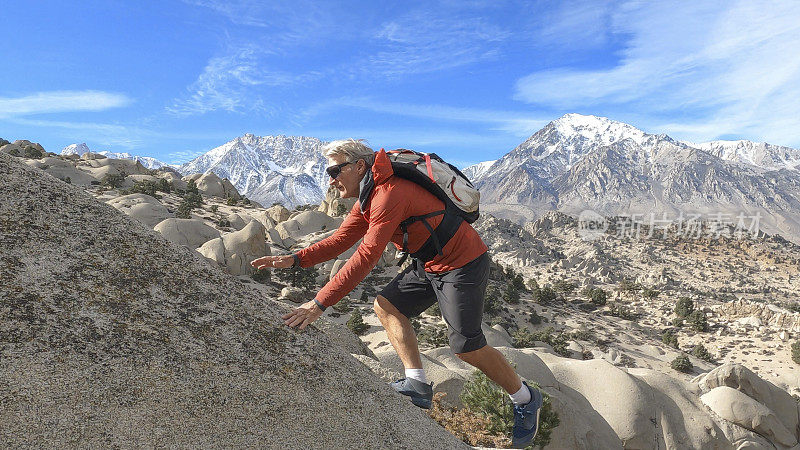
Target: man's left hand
(303, 316)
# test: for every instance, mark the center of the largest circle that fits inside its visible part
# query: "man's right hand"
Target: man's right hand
(273, 262)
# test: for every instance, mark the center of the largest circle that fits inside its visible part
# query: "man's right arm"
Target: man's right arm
(349, 232)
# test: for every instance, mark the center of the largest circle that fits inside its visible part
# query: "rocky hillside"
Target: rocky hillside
(110, 335)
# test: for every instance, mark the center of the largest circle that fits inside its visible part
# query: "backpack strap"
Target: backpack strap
(438, 239)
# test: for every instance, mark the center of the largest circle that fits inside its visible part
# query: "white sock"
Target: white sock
(522, 396)
(417, 374)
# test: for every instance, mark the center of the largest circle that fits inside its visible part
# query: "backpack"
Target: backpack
(448, 184)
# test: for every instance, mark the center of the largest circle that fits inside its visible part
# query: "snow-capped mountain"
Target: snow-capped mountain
(580, 162)
(268, 169)
(475, 171)
(148, 162)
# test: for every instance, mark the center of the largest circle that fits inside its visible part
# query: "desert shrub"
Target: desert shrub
(164, 186)
(545, 296)
(144, 187)
(342, 305)
(466, 424)
(681, 363)
(628, 286)
(415, 324)
(261, 276)
(434, 310)
(223, 223)
(677, 322)
(533, 285)
(491, 301)
(184, 211)
(796, 352)
(340, 210)
(511, 294)
(31, 152)
(697, 321)
(14, 152)
(214, 208)
(623, 312)
(191, 188)
(564, 286)
(481, 395)
(684, 306)
(67, 180)
(305, 278)
(112, 180)
(556, 340)
(3, 142)
(356, 323)
(230, 201)
(668, 337)
(699, 351)
(433, 335)
(364, 298)
(650, 293)
(523, 338)
(597, 296)
(306, 207)
(246, 201)
(534, 318)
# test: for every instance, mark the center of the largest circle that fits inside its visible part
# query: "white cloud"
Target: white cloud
(714, 68)
(421, 42)
(230, 83)
(517, 123)
(61, 101)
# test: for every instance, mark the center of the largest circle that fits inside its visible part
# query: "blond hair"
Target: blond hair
(351, 149)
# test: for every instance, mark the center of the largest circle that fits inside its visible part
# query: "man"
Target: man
(457, 278)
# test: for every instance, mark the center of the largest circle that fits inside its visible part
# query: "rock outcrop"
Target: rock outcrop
(234, 251)
(191, 233)
(113, 336)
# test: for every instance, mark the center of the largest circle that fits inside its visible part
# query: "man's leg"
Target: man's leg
(491, 362)
(400, 332)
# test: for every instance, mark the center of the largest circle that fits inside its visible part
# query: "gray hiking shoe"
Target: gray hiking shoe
(421, 394)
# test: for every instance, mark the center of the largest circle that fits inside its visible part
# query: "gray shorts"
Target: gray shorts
(459, 293)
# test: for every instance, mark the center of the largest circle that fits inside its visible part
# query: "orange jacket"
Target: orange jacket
(393, 200)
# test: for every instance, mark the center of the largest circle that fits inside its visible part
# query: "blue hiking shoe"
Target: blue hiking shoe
(526, 419)
(421, 394)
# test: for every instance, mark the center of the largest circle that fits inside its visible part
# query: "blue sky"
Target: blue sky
(469, 80)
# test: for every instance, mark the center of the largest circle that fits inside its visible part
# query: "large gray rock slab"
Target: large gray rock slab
(112, 336)
(305, 223)
(191, 233)
(213, 186)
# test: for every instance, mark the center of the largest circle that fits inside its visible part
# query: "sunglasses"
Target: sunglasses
(335, 171)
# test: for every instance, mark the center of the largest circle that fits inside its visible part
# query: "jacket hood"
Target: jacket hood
(380, 171)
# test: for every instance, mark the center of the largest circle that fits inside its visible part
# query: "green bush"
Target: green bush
(341, 210)
(623, 312)
(556, 340)
(628, 286)
(668, 337)
(343, 305)
(491, 302)
(356, 323)
(191, 188)
(523, 338)
(677, 322)
(534, 318)
(481, 395)
(231, 201)
(364, 297)
(434, 310)
(415, 324)
(682, 364)
(511, 294)
(699, 351)
(112, 180)
(13, 152)
(545, 296)
(796, 352)
(144, 187)
(684, 306)
(261, 276)
(32, 152)
(164, 186)
(650, 293)
(697, 320)
(433, 335)
(598, 296)
(305, 278)
(564, 286)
